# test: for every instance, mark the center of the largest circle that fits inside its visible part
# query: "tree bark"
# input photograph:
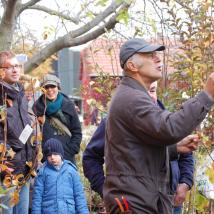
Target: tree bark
(7, 24)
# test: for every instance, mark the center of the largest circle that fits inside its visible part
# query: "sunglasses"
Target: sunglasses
(49, 86)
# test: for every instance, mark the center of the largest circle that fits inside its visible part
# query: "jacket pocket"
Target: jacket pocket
(48, 207)
(70, 206)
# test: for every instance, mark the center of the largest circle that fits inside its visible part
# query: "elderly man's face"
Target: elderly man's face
(149, 66)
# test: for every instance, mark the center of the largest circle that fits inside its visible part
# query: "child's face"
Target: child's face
(54, 159)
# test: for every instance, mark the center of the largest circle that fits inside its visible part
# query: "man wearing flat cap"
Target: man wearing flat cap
(141, 138)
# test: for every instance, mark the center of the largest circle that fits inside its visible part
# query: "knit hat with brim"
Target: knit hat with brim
(50, 79)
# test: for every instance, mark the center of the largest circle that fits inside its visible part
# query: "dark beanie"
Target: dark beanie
(53, 146)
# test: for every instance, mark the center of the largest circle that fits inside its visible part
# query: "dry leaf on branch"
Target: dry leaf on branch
(7, 181)
(14, 198)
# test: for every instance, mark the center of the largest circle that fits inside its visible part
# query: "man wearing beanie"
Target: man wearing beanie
(58, 188)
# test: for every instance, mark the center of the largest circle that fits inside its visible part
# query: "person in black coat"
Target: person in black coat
(15, 134)
(58, 117)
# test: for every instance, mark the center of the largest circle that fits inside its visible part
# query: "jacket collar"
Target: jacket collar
(136, 85)
(63, 167)
(10, 90)
(39, 105)
(133, 83)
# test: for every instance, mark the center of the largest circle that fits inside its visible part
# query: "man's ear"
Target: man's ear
(131, 67)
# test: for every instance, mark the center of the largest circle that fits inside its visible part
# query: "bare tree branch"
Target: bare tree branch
(70, 40)
(29, 4)
(183, 5)
(122, 35)
(54, 13)
(99, 18)
(79, 14)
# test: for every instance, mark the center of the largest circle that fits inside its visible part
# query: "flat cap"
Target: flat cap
(137, 45)
(50, 79)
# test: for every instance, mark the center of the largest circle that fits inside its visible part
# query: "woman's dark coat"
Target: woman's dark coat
(71, 144)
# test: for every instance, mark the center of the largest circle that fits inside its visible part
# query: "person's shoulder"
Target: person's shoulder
(68, 105)
(42, 168)
(38, 106)
(131, 96)
(66, 99)
(70, 165)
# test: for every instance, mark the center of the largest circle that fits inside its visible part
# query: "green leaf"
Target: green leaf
(101, 3)
(123, 16)
(90, 14)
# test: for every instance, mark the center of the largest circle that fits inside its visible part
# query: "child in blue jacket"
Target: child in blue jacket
(58, 189)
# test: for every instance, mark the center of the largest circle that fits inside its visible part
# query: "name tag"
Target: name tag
(27, 131)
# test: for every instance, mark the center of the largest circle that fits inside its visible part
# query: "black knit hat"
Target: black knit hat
(53, 146)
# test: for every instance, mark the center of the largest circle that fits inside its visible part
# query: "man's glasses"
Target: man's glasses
(49, 86)
(12, 67)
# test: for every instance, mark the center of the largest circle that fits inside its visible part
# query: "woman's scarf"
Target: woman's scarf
(53, 107)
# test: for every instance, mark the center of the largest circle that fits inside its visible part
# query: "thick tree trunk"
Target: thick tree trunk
(8, 23)
(5, 38)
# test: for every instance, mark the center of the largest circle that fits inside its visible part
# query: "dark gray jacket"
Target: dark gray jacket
(137, 135)
(17, 119)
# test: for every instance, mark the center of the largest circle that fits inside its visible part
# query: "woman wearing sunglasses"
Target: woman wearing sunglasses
(58, 117)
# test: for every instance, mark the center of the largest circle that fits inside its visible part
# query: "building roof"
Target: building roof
(101, 56)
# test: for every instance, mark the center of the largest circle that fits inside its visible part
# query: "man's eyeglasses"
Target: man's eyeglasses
(12, 67)
(151, 55)
(49, 86)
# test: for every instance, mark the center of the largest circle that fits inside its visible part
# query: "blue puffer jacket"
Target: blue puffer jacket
(58, 191)
(93, 160)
